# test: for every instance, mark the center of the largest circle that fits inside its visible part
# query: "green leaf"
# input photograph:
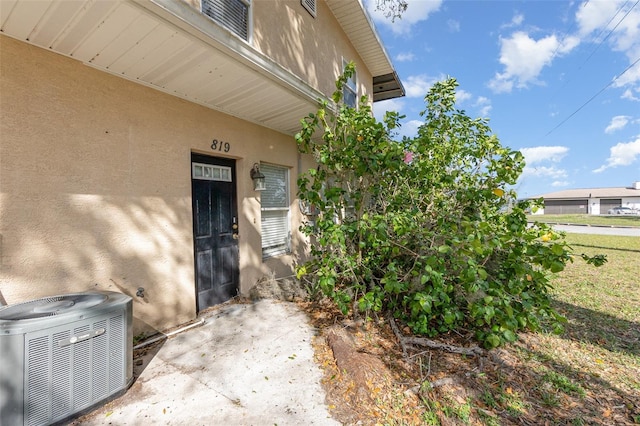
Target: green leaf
(444, 249)
(492, 340)
(509, 336)
(557, 249)
(556, 267)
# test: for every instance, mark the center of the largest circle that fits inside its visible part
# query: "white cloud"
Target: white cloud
(501, 83)
(524, 58)
(484, 104)
(380, 108)
(560, 183)
(516, 21)
(630, 76)
(544, 171)
(544, 154)
(595, 19)
(417, 86)
(541, 154)
(453, 25)
(628, 94)
(622, 154)
(595, 15)
(617, 123)
(410, 128)
(417, 11)
(405, 57)
(462, 96)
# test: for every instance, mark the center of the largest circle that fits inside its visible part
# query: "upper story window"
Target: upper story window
(231, 14)
(350, 90)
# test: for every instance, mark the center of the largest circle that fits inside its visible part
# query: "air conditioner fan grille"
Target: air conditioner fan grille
(50, 306)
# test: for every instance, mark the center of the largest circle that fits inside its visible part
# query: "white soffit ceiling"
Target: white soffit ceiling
(354, 20)
(150, 45)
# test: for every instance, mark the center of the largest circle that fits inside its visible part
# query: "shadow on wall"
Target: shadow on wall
(253, 267)
(82, 242)
(298, 45)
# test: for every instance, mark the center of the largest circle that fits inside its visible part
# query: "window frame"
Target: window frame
(273, 211)
(353, 90)
(211, 172)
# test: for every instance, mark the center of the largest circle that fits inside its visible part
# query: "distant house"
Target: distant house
(590, 200)
(131, 133)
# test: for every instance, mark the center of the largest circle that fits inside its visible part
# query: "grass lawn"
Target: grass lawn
(599, 351)
(587, 219)
(590, 374)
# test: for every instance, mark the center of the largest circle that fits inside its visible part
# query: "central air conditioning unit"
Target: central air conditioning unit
(62, 355)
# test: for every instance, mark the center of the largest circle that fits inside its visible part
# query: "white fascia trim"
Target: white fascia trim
(196, 24)
(376, 35)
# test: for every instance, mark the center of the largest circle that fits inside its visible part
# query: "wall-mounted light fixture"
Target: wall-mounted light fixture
(259, 183)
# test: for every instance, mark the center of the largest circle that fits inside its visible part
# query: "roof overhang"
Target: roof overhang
(587, 193)
(171, 47)
(387, 86)
(360, 30)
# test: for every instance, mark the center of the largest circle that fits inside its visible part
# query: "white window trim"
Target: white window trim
(346, 86)
(271, 252)
(211, 167)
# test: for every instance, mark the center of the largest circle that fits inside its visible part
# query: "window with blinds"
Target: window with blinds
(231, 14)
(275, 210)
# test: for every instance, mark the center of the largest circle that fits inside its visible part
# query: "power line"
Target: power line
(565, 35)
(612, 30)
(568, 80)
(593, 97)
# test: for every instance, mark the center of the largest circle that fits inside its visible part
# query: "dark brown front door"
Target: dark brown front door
(215, 229)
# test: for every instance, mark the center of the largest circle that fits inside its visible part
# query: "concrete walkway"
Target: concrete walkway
(598, 230)
(249, 364)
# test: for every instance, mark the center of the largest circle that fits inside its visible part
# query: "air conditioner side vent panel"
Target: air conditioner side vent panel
(70, 361)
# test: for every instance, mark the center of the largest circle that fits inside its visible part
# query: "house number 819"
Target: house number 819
(217, 145)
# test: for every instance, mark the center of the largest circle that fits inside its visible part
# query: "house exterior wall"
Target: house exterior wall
(312, 48)
(95, 189)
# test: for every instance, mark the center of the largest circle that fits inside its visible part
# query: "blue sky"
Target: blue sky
(558, 80)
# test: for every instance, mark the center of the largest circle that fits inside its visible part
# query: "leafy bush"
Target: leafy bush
(426, 228)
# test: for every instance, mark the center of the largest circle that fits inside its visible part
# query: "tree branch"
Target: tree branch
(404, 341)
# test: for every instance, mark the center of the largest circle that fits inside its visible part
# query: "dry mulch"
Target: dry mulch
(369, 381)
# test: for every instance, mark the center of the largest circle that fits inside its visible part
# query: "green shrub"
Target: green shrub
(426, 228)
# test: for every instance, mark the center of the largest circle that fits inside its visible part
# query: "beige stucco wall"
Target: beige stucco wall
(95, 189)
(312, 48)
